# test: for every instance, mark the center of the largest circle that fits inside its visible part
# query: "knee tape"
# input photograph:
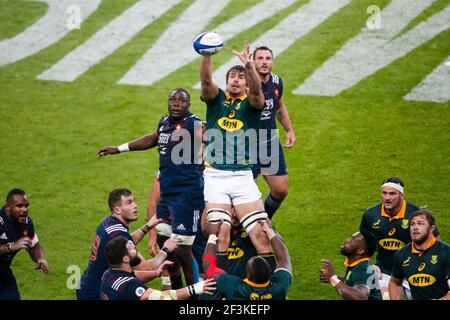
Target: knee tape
(183, 240)
(163, 229)
(214, 215)
(249, 220)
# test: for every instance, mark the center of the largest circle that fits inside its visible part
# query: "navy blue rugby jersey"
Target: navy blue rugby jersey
(121, 285)
(180, 162)
(108, 229)
(273, 91)
(11, 231)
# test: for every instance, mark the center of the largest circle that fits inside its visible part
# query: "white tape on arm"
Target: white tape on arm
(123, 147)
(34, 241)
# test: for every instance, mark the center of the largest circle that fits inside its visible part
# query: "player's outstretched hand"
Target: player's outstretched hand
(245, 55)
(209, 286)
(290, 139)
(163, 266)
(107, 150)
(42, 264)
(153, 222)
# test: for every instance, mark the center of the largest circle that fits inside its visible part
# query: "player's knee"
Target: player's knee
(280, 192)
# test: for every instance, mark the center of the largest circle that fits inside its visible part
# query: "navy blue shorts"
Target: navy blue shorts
(184, 210)
(8, 286)
(270, 165)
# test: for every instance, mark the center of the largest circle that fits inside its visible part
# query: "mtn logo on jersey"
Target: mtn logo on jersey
(230, 124)
(391, 244)
(235, 253)
(421, 280)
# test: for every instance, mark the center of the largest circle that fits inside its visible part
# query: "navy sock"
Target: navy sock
(195, 268)
(271, 205)
(176, 281)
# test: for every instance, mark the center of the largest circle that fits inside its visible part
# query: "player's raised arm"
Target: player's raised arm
(209, 88)
(279, 248)
(146, 142)
(255, 94)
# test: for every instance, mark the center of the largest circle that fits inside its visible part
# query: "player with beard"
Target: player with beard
(16, 233)
(360, 281)
(424, 263)
(271, 163)
(124, 210)
(389, 222)
(120, 283)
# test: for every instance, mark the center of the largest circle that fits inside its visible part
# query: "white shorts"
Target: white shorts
(384, 286)
(230, 187)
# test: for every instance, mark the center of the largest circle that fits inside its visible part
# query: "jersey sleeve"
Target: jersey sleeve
(227, 284)
(3, 237)
(134, 290)
(447, 265)
(27, 230)
(281, 88)
(282, 280)
(397, 270)
(215, 101)
(363, 276)
(364, 223)
(120, 232)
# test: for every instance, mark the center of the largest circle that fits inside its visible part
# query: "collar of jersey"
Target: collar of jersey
(232, 100)
(399, 215)
(419, 252)
(354, 263)
(256, 285)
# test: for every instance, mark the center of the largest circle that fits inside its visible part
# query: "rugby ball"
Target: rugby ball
(208, 43)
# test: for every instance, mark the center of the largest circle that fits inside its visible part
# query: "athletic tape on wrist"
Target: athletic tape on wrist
(123, 147)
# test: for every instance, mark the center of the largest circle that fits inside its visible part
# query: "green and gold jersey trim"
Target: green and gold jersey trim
(399, 215)
(354, 263)
(233, 99)
(256, 285)
(431, 243)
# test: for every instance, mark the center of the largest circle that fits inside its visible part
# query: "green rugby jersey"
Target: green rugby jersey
(392, 233)
(234, 288)
(235, 117)
(362, 272)
(240, 250)
(427, 272)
